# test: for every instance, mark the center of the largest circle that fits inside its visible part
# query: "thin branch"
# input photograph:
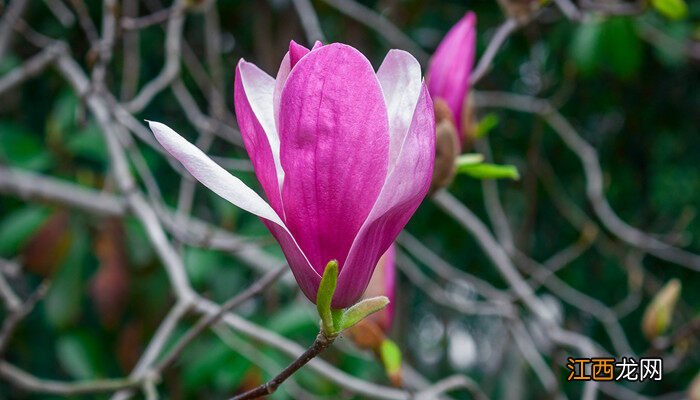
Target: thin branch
(62, 13)
(381, 24)
(173, 45)
(85, 22)
(28, 382)
(209, 320)
(16, 315)
(504, 31)
(491, 247)
(440, 296)
(449, 384)
(259, 358)
(309, 20)
(139, 23)
(569, 9)
(594, 176)
(10, 16)
(320, 344)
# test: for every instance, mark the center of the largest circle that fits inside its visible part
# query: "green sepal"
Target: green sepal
(469, 159)
(361, 310)
(489, 171)
(324, 297)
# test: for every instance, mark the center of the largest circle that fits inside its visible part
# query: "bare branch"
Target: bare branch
(594, 176)
(379, 23)
(9, 18)
(309, 20)
(509, 26)
(209, 320)
(28, 382)
(173, 45)
(320, 344)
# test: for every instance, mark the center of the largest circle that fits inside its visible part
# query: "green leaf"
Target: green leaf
(469, 159)
(489, 171)
(89, 143)
(390, 355)
(18, 227)
(611, 44)
(80, 355)
(200, 264)
(63, 301)
(485, 125)
(210, 363)
(21, 148)
(622, 47)
(585, 48)
(361, 310)
(324, 297)
(671, 9)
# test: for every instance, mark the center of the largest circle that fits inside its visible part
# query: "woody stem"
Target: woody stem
(320, 344)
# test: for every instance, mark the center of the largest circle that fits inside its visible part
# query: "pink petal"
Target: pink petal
(383, 283)
(295, 53)
(401, 81)
(232, 189)
(405, 188)
(335, 144)
(389, 259)
(282, 74)
(253, 91)
(306, 276)
(211, 175)
(451, 65)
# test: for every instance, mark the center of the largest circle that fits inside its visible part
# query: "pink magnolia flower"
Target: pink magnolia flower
(451, 66)
(383, 283)
(344, 155)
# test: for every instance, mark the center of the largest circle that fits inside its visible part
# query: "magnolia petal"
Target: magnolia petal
(306, 276)
(383, 283)
(253, 91)
(451, 66)
(401, 81)
(389, 259)
(334, 126)
(295, 53)
(403, 192)
(211, 175)
(232, 189)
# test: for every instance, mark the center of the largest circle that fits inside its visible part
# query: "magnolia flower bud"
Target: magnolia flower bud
(659, 312)
(447, 147)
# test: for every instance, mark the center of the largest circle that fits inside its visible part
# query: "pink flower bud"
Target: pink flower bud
(451, 66)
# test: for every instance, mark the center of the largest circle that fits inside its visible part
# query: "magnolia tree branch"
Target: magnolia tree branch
(10, 16)
(208, 320)
(594, 176)
(382, 25)
(309, 20)
(320, 344)
(509, 26)
(30, 383)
